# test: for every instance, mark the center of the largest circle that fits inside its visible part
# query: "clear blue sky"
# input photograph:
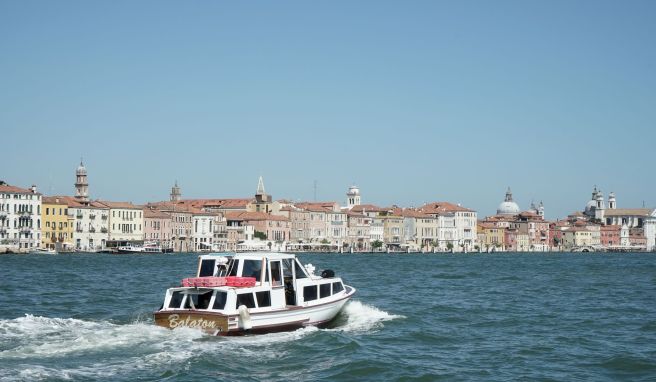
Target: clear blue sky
(413, 101)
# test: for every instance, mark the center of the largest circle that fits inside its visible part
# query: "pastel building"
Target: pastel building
(125, 222)
(158, 227)
(57, 225)
(465, 221)
(91, 232)
(20, 217)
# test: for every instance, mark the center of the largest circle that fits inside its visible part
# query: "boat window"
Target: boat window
(300, 272)
(245, 299)
(310, 293)
(220, 300)
(176, 300)
(198, 301)
(324, 290)
(287, 268)
(337, 287)
(252, 268)
(263, 298)
(276, 277)
(206, 268)
(232, 266)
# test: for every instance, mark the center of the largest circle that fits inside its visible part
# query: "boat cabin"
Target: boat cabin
(280, 282)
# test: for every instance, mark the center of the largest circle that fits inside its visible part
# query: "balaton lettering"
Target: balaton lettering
(201, 323)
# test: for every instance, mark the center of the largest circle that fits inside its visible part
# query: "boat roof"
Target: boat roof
(251, 255)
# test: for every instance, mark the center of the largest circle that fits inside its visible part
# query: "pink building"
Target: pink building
(158, 227)
(275, 227)
(510, 239)
(610, 235)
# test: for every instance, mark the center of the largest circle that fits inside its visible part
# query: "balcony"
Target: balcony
(3, 214)
(24, 213)
(92, 229)
(25, 229)
(103, 230)
(78, 229)
(92, 216)
(78, 215)
(103, 217)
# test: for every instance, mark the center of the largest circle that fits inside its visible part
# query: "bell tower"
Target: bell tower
(175, 193)
(81, 184)
(352, 197)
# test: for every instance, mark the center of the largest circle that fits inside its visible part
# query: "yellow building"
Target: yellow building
(57, 226)
(491, 237)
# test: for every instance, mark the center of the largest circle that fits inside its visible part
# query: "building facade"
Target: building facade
(57, 224)
(20, 217)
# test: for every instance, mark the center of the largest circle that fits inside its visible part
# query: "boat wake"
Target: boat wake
(37, 348)
(359, 317)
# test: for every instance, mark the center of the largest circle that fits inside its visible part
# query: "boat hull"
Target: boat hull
(290, 318)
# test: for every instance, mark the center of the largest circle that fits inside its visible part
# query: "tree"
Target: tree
(377, 244)
(449, 246)
(260, 235)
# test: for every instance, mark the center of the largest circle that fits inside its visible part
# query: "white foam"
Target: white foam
(142, 345)
(362, 317)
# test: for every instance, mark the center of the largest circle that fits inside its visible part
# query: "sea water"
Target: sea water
(492, 317)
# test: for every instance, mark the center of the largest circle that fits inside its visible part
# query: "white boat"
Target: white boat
(146, 248)
(253, 293)
(43, 251)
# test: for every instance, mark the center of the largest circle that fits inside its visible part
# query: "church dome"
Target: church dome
(590, 207)
(508, 206)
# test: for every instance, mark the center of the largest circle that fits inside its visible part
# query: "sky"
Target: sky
(413, 101)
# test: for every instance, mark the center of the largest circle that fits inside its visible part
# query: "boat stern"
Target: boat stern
(210, 323)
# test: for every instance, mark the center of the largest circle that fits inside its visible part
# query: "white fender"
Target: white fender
(244, 317)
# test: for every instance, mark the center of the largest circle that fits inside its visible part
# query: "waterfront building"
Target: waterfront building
(158, 227)
(359, 232)
(274, 227)
(20, 216)
(636, 219)
(579, 236)
(491, 236)
(610, 235)
(56, 224)
(202, 231)
(181, 223)
(393, 230)
(465, 222)
(91, 224)
(125, 223)
(420, 229)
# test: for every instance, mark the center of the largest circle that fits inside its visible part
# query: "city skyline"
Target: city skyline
(434, 101)
(163, 195)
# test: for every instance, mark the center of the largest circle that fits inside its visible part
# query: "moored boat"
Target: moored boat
(146, 248)
(253, 293)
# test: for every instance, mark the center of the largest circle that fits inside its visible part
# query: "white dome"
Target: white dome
(508, 208)
(590, 207)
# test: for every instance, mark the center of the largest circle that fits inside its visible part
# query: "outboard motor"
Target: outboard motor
(327, 273)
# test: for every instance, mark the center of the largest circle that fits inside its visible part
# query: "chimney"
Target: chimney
(33, 189)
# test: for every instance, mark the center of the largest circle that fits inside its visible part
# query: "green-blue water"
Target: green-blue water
(492, 317)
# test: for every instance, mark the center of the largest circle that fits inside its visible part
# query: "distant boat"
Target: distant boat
(146, 248)
(43, 251)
